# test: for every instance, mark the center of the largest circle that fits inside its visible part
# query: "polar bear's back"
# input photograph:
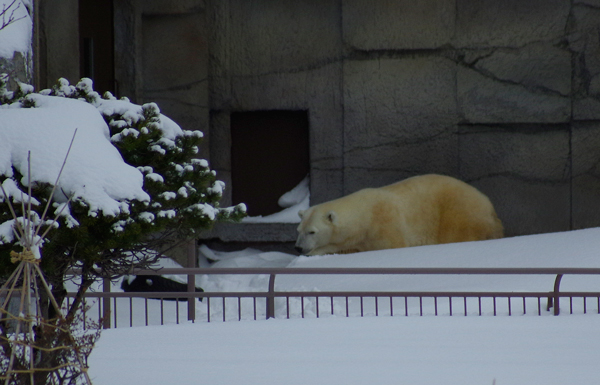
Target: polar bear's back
(441, 209)
(422, 210)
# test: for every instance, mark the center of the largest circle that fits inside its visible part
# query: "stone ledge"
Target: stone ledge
(252, 232)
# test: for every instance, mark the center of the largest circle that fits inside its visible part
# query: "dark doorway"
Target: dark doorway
(96, 43)
(269, 157)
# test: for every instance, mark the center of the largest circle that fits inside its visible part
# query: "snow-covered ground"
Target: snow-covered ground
(355, 351)
(382, 350)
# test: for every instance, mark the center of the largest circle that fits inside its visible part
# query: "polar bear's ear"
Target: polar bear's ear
(332, 216)
(301, 214)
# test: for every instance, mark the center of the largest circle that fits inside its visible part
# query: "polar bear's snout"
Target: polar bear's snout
(303, 244)
(308, 238)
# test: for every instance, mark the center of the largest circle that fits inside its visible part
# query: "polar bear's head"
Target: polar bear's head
(315, 231)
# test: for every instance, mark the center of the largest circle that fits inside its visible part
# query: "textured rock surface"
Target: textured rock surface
(406, 24)
(399, 119)
(177, 86)
(485, 99)
(502, 94)
(586, 174)
(499, 160)
(509, 23)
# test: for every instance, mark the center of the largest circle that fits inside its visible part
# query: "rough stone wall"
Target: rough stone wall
(58, 45)
(504, 94)
(286, 55)
(177, 84)
(161, 55)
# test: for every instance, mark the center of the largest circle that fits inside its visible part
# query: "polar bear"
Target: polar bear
(421, 210)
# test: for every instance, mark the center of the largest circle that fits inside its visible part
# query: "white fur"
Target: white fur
(422, 210)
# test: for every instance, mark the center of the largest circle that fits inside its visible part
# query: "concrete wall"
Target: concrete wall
(286, 55)
(58, 42)
(502, 94)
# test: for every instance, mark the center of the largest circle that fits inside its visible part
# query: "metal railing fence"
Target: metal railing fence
(109, 304)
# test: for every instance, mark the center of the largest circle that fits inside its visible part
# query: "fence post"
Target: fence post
(105, 304)
(192, 261)
(271, 298)
(554, 300)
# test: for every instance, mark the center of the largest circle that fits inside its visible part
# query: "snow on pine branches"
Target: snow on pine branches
(133, 177)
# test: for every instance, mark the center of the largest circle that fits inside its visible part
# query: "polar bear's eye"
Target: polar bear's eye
(312, 232)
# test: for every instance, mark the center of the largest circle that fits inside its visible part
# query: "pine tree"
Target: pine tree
(184, 196)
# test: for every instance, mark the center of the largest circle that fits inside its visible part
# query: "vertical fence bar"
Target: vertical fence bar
(317, 306)
(479, 301)
(130, 312)
(509, 308)
(254, 303)
(162, 311)
(84, 304)
(192, 261)
(115, 311)
(271, 298)
(450, 305)
(571, 304)
(362, 312)
(348, 307)
(465, 302)
(391, 307)
(332, 312)
(207, 309)
(556, 303)
(105, 316)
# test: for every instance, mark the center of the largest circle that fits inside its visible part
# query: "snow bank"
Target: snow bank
(458, 350)
(356, 351)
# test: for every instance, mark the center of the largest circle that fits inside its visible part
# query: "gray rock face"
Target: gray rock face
(405, 24)
(502, 94)
(509, 23)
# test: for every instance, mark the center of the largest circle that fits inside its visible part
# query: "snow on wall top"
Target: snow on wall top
(16, 36)
(95, 170)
